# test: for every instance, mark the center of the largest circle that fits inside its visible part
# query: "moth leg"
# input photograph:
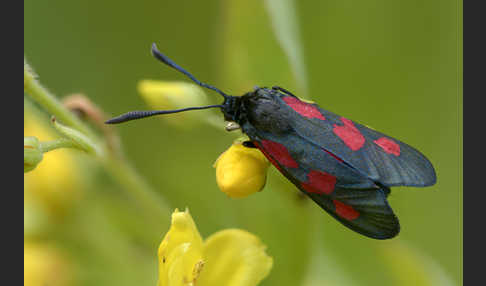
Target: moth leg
(249, 144)
(283, 90)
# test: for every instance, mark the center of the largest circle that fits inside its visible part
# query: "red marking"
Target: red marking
(335, 157)
(303, 108)
(345, 211)
(279, 153)
(349, 134)
(388, 146)
(268, 156)
(319, 182)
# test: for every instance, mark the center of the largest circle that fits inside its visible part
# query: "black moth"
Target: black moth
(345, 167)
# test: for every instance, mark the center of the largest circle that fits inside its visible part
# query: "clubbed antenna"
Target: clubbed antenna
(132, 115)
(158, 55)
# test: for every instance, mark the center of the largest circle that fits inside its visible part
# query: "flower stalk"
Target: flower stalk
(78, 139)
(80, 135)
(48, 101)
(56, 144)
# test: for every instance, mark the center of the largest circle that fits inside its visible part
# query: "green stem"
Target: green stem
(118, 168)
(137, 187)
(40, 94)
(55, 144)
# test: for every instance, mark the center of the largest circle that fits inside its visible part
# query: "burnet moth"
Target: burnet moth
(345, 167)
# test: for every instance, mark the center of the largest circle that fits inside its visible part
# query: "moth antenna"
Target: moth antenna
(132, 115)
(158, 55)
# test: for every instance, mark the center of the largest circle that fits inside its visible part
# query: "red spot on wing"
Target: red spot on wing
(349, 134)
(305, 109)
(335, 157)
(267, 156)
(388, 145)
(276, 151)
(345, 211)
(319, 182)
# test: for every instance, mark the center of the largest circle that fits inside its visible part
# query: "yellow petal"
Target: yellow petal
(174, 95)
(180, 253)
(234, 257)
(241, 171)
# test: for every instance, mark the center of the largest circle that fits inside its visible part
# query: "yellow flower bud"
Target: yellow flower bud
(241, 171)
(174, 95)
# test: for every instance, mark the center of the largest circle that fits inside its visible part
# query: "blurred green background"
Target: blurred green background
(393, 65)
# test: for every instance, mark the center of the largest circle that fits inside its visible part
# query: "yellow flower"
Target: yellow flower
(228, 257)
(241, 171)
(166, 95)
(45, 265)
(54, 181)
